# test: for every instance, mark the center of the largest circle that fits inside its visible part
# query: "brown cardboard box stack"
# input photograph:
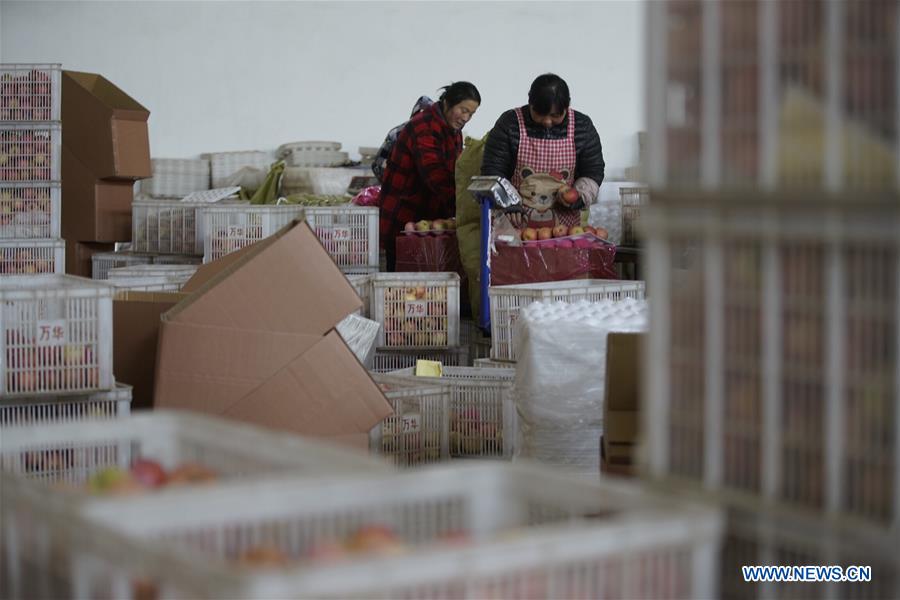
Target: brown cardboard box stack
(105, 150)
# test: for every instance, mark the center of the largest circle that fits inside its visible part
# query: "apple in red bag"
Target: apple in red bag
(560, 231)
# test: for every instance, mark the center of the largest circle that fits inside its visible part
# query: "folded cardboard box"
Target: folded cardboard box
(79, 256)
(94, 209)
(621, 405)
(104, 127)
(136, 321)
(255, 341)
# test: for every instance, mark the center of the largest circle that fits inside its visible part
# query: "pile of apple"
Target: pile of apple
(146, 475)
(32, 368)
(24, 155)
(368, 540)
(472, 435)
(25, 261)
(435, 227)
(529, 234)
(412, 324)
(25, 213)
(25, 97)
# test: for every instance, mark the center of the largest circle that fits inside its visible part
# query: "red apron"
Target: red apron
(547, 156)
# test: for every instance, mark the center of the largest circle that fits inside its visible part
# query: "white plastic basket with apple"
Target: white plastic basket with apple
(228, 229)
(66, 407)
(349, 234)
(417, 310)
(418, 431)
(102, 262)
(508, 300)
(30, 92)
(30, 152)
(49, 473)
(362, 283)
(57, 335)
(29, 211)
(32, 257)
(483, 421)
(488, 530)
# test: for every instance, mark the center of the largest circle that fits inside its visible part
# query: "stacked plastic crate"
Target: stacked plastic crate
(30, 140)
(419, 317)
(774, 265)
(56, 347)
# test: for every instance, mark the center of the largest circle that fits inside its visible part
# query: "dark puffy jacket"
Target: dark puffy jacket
(503, 144)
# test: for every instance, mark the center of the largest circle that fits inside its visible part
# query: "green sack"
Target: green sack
(468, 217)
(268, 191)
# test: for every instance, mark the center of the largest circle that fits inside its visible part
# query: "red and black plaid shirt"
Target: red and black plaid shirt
(419, 178)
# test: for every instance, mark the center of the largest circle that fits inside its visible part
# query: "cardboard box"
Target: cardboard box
(104, 127)
(621, 406)
(79, 255)
(93, 209)
(136, 321)
(255, 341)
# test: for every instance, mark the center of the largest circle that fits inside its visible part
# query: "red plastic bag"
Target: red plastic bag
(367, 196)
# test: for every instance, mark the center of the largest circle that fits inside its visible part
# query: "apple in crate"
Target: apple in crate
(113, 481)
(148, 473)
(264, 556)
(191, 473)
(379, 539)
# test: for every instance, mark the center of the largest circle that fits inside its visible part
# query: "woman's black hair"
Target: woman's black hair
(549, 93)
(458, 91)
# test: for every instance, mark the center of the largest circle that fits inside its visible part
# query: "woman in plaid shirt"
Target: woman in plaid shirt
(419, 175)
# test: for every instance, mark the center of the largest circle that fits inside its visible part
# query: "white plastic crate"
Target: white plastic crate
(772, 358)
(222, 165)
(102, 262)
(46, 470)
(177, 259)
(30, 152)
(151, 278)
(417, 432)
(416, 310)
(349, 234)
(363, 286)
(483, 420)
(57, 335)
(230, 228)
(508, 300)
(632, 198)
(493, 364)
(29, 211)
(285, 150)
(176, 177)
(69, 407)
(32, 257)
(167, 226)
(471, 336)
(29, 92)
(455, 531)
(385, 360)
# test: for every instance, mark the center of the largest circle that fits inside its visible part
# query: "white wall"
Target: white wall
(221, 76)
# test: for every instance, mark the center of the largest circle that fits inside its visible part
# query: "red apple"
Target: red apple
(191, 473)
(263, 556)
(601, 233)
(409, 226)
(529, 234)
(148, 473)
(544, 233)
(374, 538)
(568, 195)
(438, 225)
(560, 231)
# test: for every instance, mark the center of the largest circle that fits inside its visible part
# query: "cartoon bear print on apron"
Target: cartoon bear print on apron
(553, 158)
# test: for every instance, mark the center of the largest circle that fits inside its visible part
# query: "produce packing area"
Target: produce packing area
(212, 387)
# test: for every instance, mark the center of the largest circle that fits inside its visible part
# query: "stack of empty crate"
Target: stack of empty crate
(106, 148)
(56, 348)
(30, 139)
(772, 247)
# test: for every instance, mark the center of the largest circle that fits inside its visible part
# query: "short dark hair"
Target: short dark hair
(549, 93)
(458, 91)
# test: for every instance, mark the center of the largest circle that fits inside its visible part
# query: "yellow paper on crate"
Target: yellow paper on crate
(429, 368)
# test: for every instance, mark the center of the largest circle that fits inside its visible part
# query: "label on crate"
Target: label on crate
(236, 231)
(416, 308)
(51, 332)
(340, 234)
(411, 423)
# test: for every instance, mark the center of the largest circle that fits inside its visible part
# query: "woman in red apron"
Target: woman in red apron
(546, 137)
